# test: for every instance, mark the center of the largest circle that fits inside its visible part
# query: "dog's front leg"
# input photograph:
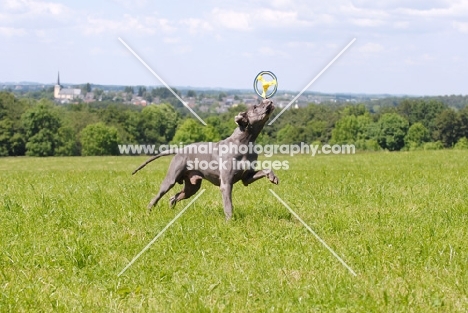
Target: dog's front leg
(250, 177)
(226, 191)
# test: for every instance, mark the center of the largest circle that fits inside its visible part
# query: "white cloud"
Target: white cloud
(269, 15)
(45, 36)
(422, 59)
(394, 4)
(282, 3)
(140, 26)
(20, 17)
(247, 55)
(97, 51)
(182, 49)
(232, 19)
(280, 18)
(262, 18)
(99, 25)
(367, 22)
(131, 3)
(196, 25)
(461, 26)
(454, 9)
(301, 44)
(270, 52)
(365, 13)
(427, 57)
(34, 8)
(41, 33)
(371, 48)
(12, 32)
(161, 24)
(171, 40)
(401, 25)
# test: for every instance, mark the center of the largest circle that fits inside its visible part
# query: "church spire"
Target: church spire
(58, 78)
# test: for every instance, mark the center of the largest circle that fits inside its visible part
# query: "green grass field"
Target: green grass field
(399, 220)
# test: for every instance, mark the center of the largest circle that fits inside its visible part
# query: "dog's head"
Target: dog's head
(256, 116)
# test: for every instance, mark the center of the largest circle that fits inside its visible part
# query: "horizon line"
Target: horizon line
(26, 83)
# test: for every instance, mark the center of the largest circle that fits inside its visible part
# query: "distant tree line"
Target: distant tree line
(42, 128)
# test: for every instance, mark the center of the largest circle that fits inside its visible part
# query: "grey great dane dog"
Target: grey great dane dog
(224, 155)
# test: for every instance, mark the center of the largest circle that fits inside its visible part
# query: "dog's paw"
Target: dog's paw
(273, 178)
(172, 201)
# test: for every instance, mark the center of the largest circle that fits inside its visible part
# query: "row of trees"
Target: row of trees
(410, 125)
(41, 128)
(413, 124)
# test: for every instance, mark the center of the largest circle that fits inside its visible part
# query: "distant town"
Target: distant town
(205, 100)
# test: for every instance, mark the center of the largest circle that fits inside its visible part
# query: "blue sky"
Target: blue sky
(402, 47)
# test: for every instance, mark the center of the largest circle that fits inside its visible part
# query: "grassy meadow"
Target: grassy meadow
(68, 226)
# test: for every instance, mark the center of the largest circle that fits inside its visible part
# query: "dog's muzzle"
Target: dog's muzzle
(270, 107)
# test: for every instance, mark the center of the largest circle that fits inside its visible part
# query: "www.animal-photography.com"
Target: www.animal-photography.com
(265, 156)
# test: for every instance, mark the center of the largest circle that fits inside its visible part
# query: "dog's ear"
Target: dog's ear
(241, 120)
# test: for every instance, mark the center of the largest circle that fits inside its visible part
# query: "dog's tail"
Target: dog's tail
(157, 156)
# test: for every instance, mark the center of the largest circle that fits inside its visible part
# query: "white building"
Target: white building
(61, 93)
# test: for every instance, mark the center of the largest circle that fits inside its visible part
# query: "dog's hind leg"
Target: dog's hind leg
(166, 185)
(173, 175)
(192, 184)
